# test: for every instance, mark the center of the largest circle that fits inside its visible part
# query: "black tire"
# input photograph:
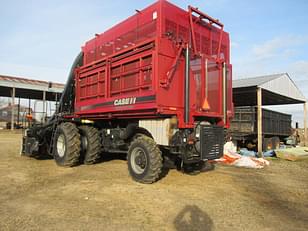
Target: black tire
(90, 144)
(267, 144)
(144, 160)
(66, 149)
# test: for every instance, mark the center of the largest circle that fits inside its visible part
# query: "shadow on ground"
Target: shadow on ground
(193, 218)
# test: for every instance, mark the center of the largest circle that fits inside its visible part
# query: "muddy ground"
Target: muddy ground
(38, 195)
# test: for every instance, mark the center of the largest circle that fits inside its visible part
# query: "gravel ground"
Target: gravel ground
(38, 195)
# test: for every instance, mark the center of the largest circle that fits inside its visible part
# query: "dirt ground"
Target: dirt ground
(38, 195)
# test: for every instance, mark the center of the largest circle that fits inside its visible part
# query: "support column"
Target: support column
(305, 125)
(44, 107)
(18, 110)
(260, 132)
(12, 109)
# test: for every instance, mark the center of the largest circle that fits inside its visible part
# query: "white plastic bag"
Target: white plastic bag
(247, 162)
(230, 147)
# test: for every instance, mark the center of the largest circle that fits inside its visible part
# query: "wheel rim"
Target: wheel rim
(138, 160)
(61, 145)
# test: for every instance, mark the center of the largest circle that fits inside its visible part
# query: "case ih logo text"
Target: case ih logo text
(125, 101)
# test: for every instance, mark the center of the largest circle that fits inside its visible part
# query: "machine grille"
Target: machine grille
(212, 142)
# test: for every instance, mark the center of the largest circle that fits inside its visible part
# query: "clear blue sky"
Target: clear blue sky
(39, 39)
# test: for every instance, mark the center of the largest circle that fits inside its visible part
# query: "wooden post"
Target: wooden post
(18, 110)
(260, 133)
(12, 109)
(305, 124)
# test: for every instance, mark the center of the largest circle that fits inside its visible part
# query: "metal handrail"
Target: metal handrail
(212, 21)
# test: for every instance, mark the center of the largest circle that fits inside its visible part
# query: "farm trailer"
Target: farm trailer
(244, 129)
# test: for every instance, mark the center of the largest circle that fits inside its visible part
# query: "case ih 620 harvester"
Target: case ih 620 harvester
(156, 86)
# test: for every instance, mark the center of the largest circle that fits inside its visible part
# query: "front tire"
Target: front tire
(67, 145)
(145, 160)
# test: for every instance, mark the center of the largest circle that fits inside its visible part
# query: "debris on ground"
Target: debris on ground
(269, 153)
(246, 152)
(293, 154)
(249, 159)
(238, 160)
(251, 162)
(246, 158)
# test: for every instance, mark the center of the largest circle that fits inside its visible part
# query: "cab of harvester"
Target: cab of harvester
(158, 82)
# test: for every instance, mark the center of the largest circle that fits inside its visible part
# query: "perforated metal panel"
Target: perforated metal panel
(212, 142)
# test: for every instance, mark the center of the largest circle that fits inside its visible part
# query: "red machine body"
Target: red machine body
(137, 68)
(157, 87)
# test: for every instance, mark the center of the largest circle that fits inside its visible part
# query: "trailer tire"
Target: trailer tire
(144, 160)
(67, 145)
(275, 142)
(267, 144)
(90, 143)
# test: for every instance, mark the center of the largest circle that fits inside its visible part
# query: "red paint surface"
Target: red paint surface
(135, 59)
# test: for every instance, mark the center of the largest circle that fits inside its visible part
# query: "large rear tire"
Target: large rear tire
(145, 160)
(67, 145)
(90, 143)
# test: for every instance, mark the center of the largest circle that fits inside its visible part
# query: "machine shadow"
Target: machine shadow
(106, 157)
(193, 218)
(168, 164)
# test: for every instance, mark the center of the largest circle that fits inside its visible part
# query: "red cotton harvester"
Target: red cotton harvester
(156, 86)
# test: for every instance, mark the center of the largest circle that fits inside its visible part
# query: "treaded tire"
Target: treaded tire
(154, 161)
(91, 151)
(71, 141)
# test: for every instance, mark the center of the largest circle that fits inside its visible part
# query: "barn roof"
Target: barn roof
(29, 88)
(277, 89)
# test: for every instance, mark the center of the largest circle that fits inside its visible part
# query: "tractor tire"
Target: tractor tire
(90, 144)
(144, 160)
(67, 145)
